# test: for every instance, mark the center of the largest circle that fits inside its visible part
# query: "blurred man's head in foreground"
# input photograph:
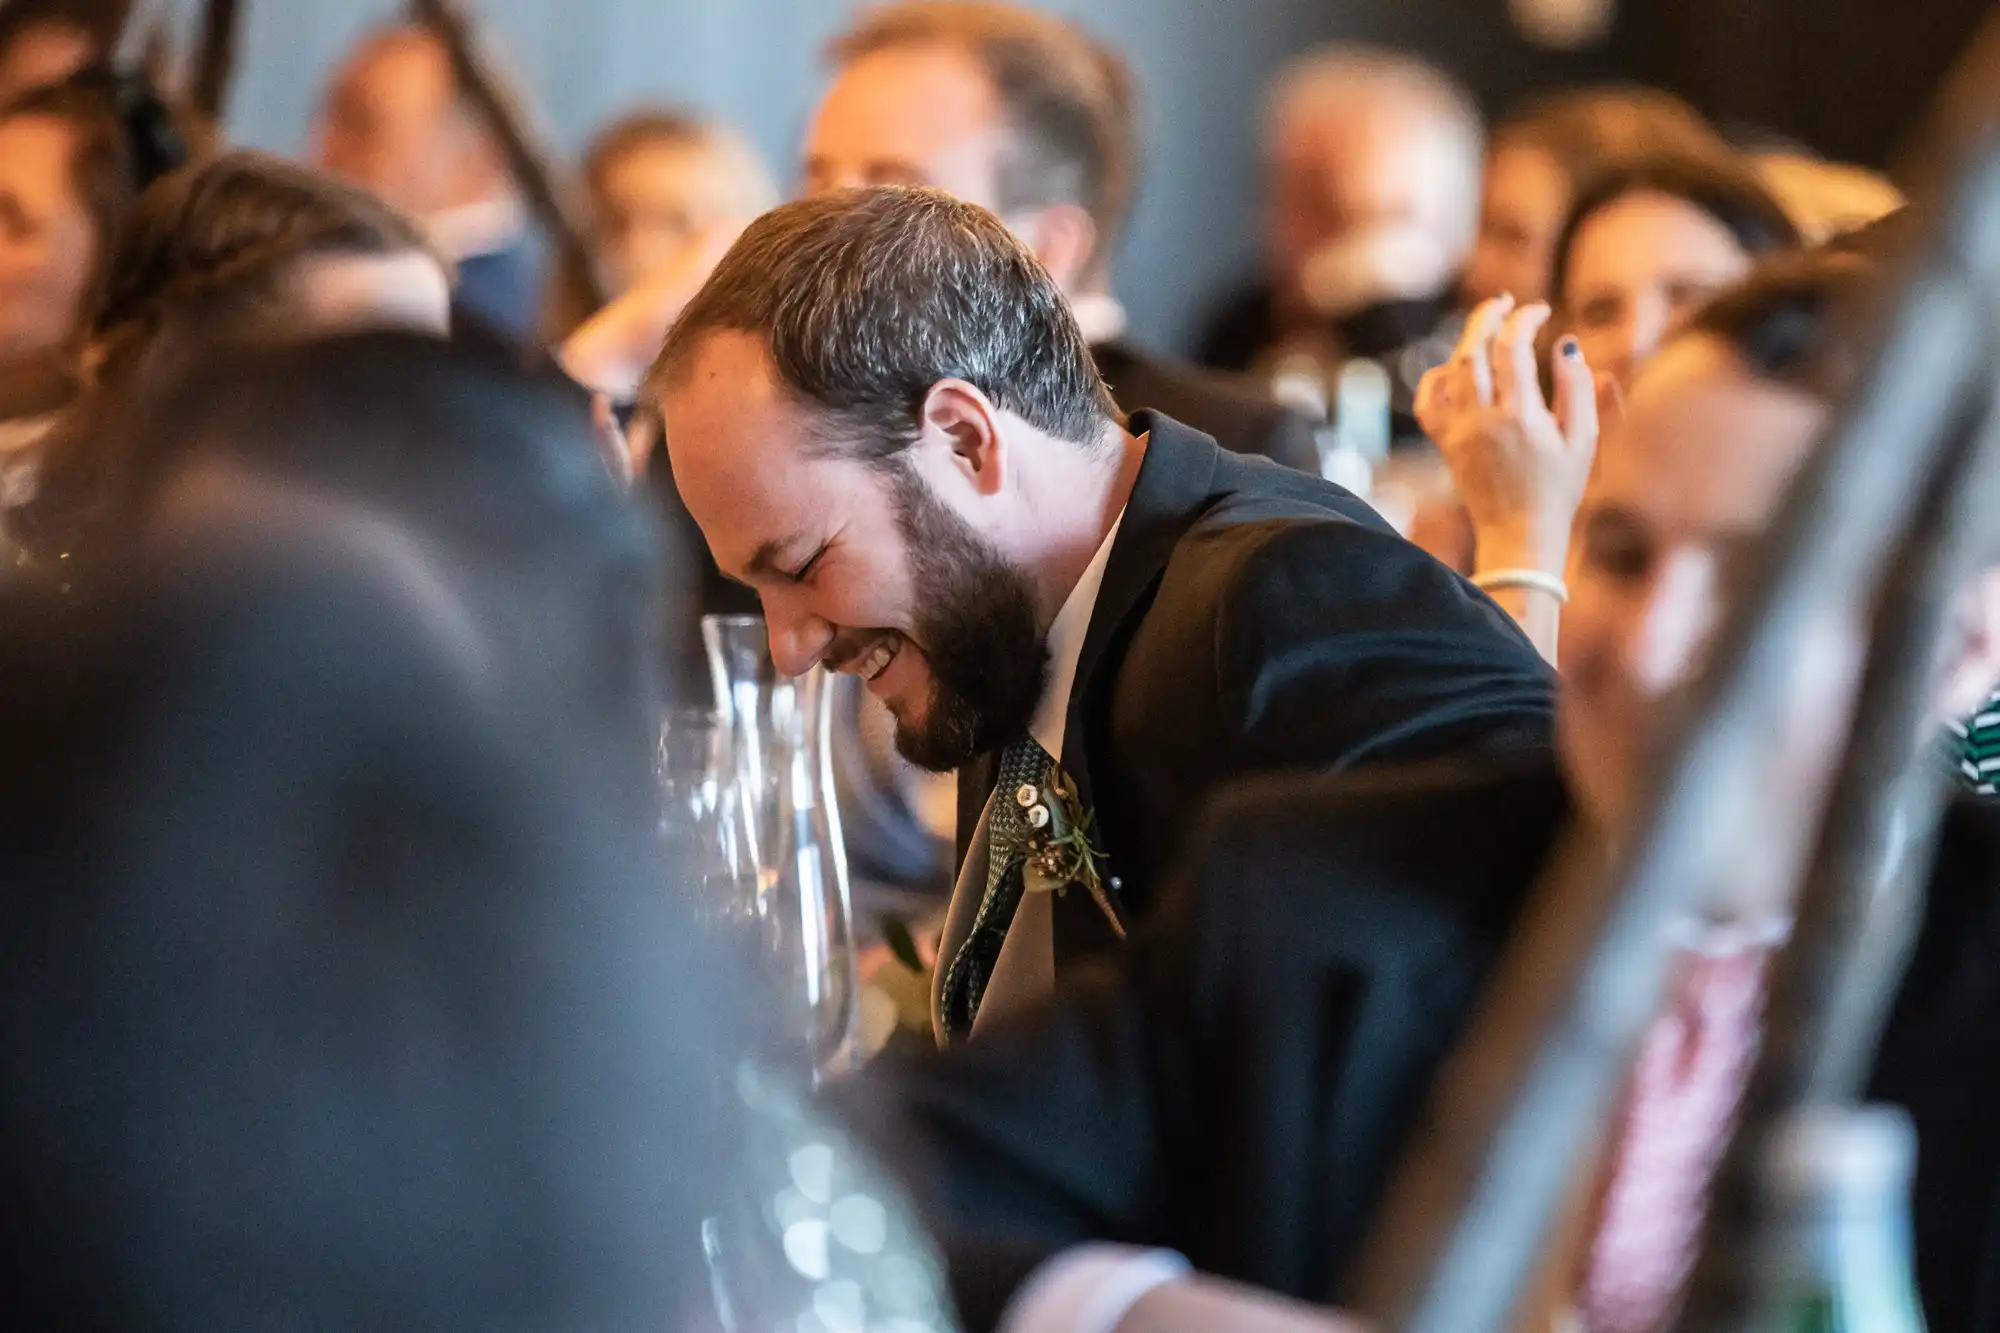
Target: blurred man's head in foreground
(340, 987)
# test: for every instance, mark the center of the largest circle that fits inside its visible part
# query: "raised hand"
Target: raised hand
(612, 350)
(1520, 465)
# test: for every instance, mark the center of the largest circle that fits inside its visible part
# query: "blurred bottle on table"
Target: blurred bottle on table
(1837, 1255)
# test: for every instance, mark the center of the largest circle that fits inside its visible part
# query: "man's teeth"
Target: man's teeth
(878, 657)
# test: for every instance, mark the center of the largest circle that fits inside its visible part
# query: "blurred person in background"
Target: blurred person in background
(73, 157)
(665, 190)
(1240, 1086)
(45, 41)
(1372, 165)
(1537, 160)
(243, 248)
(340, 987)
(1646, 242)
(1535, 163)
(1023, 113)
(658, 181)
(396, 124)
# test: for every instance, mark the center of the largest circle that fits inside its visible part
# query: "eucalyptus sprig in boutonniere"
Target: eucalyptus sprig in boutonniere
(1060, 850)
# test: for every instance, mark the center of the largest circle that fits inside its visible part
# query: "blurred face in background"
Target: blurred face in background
(43, 54)
(929, 114)
(657, 196)
(48, 241)
(392, 125)
(921, 115)
(1637, 267)
(1526, 196)
(1367, 199)
(1687, 484)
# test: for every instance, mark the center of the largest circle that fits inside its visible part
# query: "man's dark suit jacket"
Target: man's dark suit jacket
(1239, 1084)
(499, 293)
(1253, 619)
(1231, 409)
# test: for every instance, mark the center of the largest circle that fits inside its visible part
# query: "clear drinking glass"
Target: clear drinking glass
(706, 856)
(776, 807)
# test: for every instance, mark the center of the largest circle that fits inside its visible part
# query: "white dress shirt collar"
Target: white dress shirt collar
(1065, 644)
(474, 230)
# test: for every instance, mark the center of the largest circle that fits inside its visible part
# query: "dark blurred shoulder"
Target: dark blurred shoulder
(1448, 830)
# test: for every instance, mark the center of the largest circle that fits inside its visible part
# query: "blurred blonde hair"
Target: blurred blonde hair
(1826, 199)
(1588, 129)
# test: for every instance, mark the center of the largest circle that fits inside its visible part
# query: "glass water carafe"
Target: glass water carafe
(793, 888)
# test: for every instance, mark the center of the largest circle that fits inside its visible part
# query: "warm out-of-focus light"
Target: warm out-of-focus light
(1566, 25)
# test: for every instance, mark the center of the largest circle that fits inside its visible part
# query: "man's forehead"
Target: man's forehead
(409, 64)
(873, 95)
(729, 425)
(737, 445)
(734, 364)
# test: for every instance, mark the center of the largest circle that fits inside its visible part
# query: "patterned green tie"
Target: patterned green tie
(1024, 775)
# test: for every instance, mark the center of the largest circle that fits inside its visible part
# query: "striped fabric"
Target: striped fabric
(1979, 747)
(1685, 1088)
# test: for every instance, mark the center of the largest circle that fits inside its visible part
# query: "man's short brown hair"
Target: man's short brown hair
(868, 298)
(1066, 97)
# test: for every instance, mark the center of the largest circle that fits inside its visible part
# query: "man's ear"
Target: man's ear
(958, 434)
(1064, 238)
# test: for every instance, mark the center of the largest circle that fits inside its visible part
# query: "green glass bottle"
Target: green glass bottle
(1836, 1257)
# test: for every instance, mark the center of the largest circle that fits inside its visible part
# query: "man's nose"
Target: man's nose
(799, 639)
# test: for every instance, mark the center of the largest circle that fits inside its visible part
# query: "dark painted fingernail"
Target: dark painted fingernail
(1570, 349)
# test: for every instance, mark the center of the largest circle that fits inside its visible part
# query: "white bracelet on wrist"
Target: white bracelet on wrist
(1535, 580)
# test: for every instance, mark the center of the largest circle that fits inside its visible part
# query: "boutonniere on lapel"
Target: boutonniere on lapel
(1060, 852)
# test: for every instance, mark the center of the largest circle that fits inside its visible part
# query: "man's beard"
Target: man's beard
(975, 624)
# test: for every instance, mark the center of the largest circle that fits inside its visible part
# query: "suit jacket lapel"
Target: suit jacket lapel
(1173, 487)
(1176, 480)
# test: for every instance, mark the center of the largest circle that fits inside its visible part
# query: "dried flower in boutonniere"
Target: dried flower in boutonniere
(1060, 852)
